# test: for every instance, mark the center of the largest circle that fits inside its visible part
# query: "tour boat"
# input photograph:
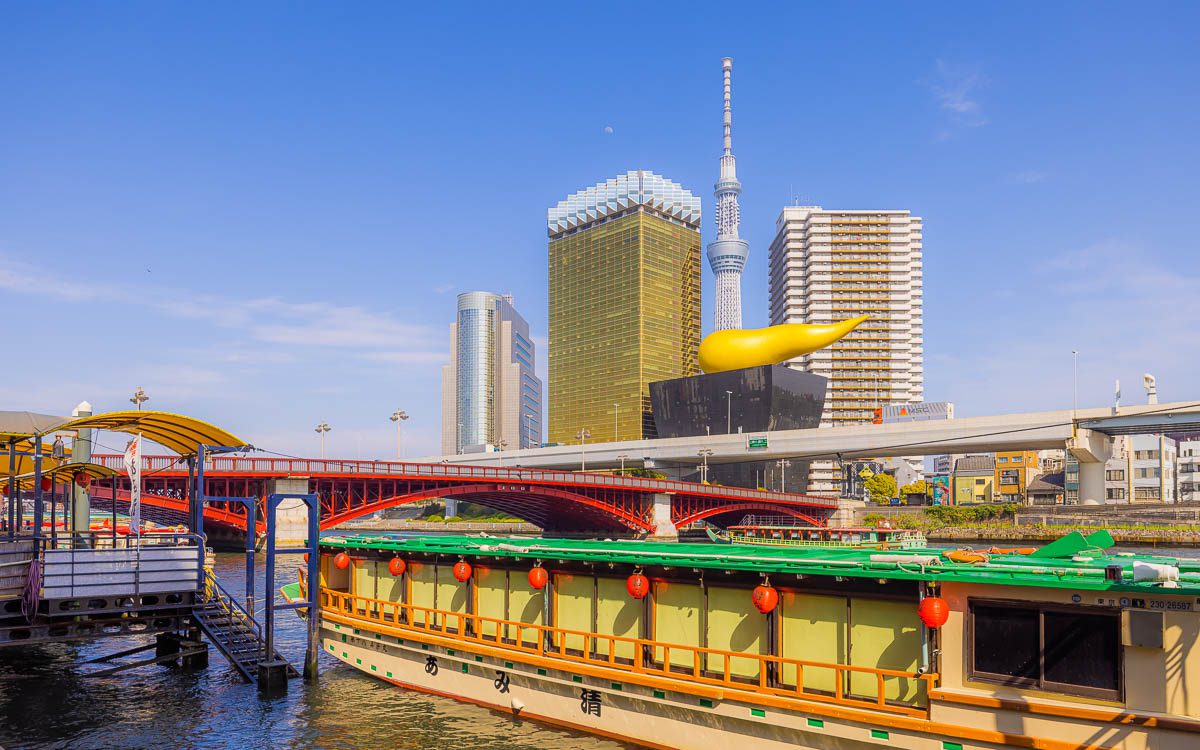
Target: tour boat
(685, 645)
(818, 536)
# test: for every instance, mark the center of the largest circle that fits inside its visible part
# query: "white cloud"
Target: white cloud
(955, 89)
(269, 319)
(1029, 177)
(1124, 310)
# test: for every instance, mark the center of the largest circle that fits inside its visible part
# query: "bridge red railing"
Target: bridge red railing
(307, 467)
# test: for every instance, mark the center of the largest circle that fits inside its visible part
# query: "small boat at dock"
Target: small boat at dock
(779, 533)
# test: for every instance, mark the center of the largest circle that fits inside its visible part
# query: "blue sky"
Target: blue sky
(261, 213)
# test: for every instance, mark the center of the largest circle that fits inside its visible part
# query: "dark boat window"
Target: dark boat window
(1068, 651)
(1007, 641)
(1082, 649)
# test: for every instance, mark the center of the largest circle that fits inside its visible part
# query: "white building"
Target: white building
(1142, 469)
(1152, 468)
(827, 266)
(490, 394)
(1189, 471)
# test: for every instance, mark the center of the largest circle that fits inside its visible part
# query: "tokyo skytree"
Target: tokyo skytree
(727, 254)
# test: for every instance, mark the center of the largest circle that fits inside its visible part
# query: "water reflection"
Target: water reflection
(46, 702)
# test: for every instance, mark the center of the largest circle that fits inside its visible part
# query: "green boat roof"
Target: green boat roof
(1073, 562)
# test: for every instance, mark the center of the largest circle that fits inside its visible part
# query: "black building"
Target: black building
(751, 400)
(754, 399)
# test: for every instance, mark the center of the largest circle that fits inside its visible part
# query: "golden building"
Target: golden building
(624, 271)
(1014, 471)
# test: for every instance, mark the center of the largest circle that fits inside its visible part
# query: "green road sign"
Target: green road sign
(756, 442)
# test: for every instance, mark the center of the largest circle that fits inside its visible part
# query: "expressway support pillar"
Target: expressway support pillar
(664, 527)
(1091, 449)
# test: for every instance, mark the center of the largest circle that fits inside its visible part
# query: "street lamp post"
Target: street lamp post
(500, 453)
(783, 464)
(704, 453)
(321, 429)
(139, 397)
(398, 417)
(728, 412)
(1074, 383)
(582, 436)
(623, 458)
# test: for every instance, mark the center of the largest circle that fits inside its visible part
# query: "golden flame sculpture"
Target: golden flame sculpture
(734, 348)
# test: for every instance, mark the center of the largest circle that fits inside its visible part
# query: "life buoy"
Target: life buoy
(969, 556)
(1011, 550)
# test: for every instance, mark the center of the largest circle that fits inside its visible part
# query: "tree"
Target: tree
(880, 488)
(919, 487)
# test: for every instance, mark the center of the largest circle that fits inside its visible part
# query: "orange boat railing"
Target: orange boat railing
(767, 674)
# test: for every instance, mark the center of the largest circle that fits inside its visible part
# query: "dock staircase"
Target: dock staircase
(233, 630)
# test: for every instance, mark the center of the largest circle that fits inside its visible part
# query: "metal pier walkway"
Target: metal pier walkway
(233, 631)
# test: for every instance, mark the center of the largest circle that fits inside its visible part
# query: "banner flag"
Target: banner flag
(133, 467)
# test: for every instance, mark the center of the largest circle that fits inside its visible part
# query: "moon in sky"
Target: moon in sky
(608, 130)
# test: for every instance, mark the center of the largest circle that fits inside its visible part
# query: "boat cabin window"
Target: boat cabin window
(1048, 648)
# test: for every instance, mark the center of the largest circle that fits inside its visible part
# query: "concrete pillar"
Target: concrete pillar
(664, 528)
(451, 506)
(81, 502)
(291, 518)
(845, 515)
(1091, 449)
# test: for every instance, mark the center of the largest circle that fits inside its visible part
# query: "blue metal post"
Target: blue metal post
(12, 489)
(250, 539)
(198, 501)
(313, 588)
(37, 488)
(269, 641)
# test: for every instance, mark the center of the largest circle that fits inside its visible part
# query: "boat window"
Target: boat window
(1082, 649)
(1006, 641)
(1049, 648)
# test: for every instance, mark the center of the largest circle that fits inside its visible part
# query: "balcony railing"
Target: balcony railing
(732, 670)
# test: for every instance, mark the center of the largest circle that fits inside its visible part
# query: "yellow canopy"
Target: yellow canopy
(23, 465)
(184, 435)
(65, 473)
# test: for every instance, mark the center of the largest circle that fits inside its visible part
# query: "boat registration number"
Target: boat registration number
(1176, 605)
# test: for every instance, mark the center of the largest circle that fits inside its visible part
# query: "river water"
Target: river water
(46, 701)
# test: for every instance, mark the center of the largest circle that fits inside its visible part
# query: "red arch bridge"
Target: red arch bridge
(557, 501)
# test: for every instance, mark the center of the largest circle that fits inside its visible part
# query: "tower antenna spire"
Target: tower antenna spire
(727, 66)
(727, 254)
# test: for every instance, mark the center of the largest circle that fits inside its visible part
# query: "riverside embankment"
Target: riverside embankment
(1145, 525)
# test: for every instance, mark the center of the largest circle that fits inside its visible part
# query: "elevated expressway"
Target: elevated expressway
(1087, 433)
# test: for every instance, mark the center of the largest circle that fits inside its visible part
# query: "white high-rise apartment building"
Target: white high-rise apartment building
(827, 266)
(490, 394)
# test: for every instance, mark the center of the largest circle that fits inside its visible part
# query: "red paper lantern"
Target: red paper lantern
(765, 598)
(462, 571)
(637, 586)
(47, 484)
(538, 577)
(81, 479)
(305, 557)
(933, 611)
(341, 560)
(396, 566)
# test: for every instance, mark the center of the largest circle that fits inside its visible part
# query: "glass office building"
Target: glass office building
(490, 394)
(624, 271)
